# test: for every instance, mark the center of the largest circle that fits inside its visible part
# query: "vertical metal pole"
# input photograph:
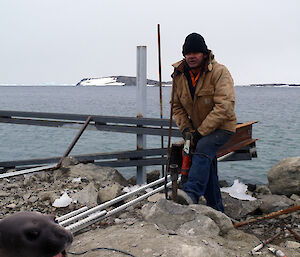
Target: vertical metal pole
(141, 100)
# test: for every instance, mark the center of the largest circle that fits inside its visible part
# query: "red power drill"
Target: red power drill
(186, 158)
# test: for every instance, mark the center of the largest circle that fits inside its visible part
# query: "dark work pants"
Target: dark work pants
(203, 174)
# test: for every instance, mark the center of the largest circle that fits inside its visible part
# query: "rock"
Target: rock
(223, 183)
(251, 187)
(69, 161)
(222, 221)
(60, 174)
(200, 225)
(109, 192)
(44, 176)
(295, 198)
(11, 206)
(3, 194)
(12, 185)
(284, 177)
(187, 220)
(87, 196)
(273, 203)
(100, 175)
(154, 198)
(44, 196)
(200, 251)
(238, 209)
(292, 245)
(262, 190)
(33, 199)
(167, 214)
(151, 176)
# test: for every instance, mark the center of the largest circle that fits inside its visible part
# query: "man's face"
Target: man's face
(194, 60)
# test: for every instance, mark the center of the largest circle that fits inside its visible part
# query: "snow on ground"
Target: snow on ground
(63, 201)
(238, 190)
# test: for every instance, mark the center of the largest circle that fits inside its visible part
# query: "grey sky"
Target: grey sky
(63, 41)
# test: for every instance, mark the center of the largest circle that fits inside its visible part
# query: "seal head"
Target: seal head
(32, 234)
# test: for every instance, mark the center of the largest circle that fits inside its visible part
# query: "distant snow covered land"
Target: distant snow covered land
(116, 81)
(130, 81)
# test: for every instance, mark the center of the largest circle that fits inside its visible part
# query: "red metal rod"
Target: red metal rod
(294, 233)
(268, 216)
(169, 140)
(74, 141)
(160, 89)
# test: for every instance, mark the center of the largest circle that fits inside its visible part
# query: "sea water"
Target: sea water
(276, 108)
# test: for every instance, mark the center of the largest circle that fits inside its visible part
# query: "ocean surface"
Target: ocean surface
(276, 108)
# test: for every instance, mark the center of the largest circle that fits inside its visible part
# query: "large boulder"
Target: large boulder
(109, 192)
(284, 177)
(239, 209)
(273, 203)
(87, 196)
(101, 176)
(192, 220)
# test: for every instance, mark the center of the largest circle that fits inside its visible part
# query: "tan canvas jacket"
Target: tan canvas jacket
(213, 105)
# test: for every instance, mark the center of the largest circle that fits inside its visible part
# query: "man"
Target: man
(204, 107)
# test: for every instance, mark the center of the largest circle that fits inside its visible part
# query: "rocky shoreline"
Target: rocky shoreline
(160, 227)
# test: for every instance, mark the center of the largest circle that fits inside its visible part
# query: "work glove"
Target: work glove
(196, 136)
(185, 131)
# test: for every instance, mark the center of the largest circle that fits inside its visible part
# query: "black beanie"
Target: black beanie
(194, 43)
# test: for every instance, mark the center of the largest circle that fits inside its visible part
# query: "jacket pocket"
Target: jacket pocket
(206, 96)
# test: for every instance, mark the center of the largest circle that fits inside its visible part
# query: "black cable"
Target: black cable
(102, 248)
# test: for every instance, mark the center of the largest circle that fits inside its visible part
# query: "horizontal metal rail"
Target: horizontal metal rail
(83, 117)
(155, 131)
(120, 156)
(151, 157)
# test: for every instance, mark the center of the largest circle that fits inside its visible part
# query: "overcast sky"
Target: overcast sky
(63, 41)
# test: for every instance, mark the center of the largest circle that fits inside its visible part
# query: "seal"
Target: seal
(32, 234)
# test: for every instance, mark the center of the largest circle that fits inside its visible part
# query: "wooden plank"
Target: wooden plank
(245, 124)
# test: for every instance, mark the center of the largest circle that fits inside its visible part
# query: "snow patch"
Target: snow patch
(105, 81)
(238, 191)
(63, 201)
(76, 180)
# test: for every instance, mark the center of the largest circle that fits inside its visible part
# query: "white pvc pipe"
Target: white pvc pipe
(100, 216)
(109, 203)
(71, 214)
(85, 222)
(27, 171)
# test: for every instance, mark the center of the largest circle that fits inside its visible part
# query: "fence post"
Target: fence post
(141, 100)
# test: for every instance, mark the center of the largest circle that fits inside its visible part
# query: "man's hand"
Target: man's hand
(196, 136)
